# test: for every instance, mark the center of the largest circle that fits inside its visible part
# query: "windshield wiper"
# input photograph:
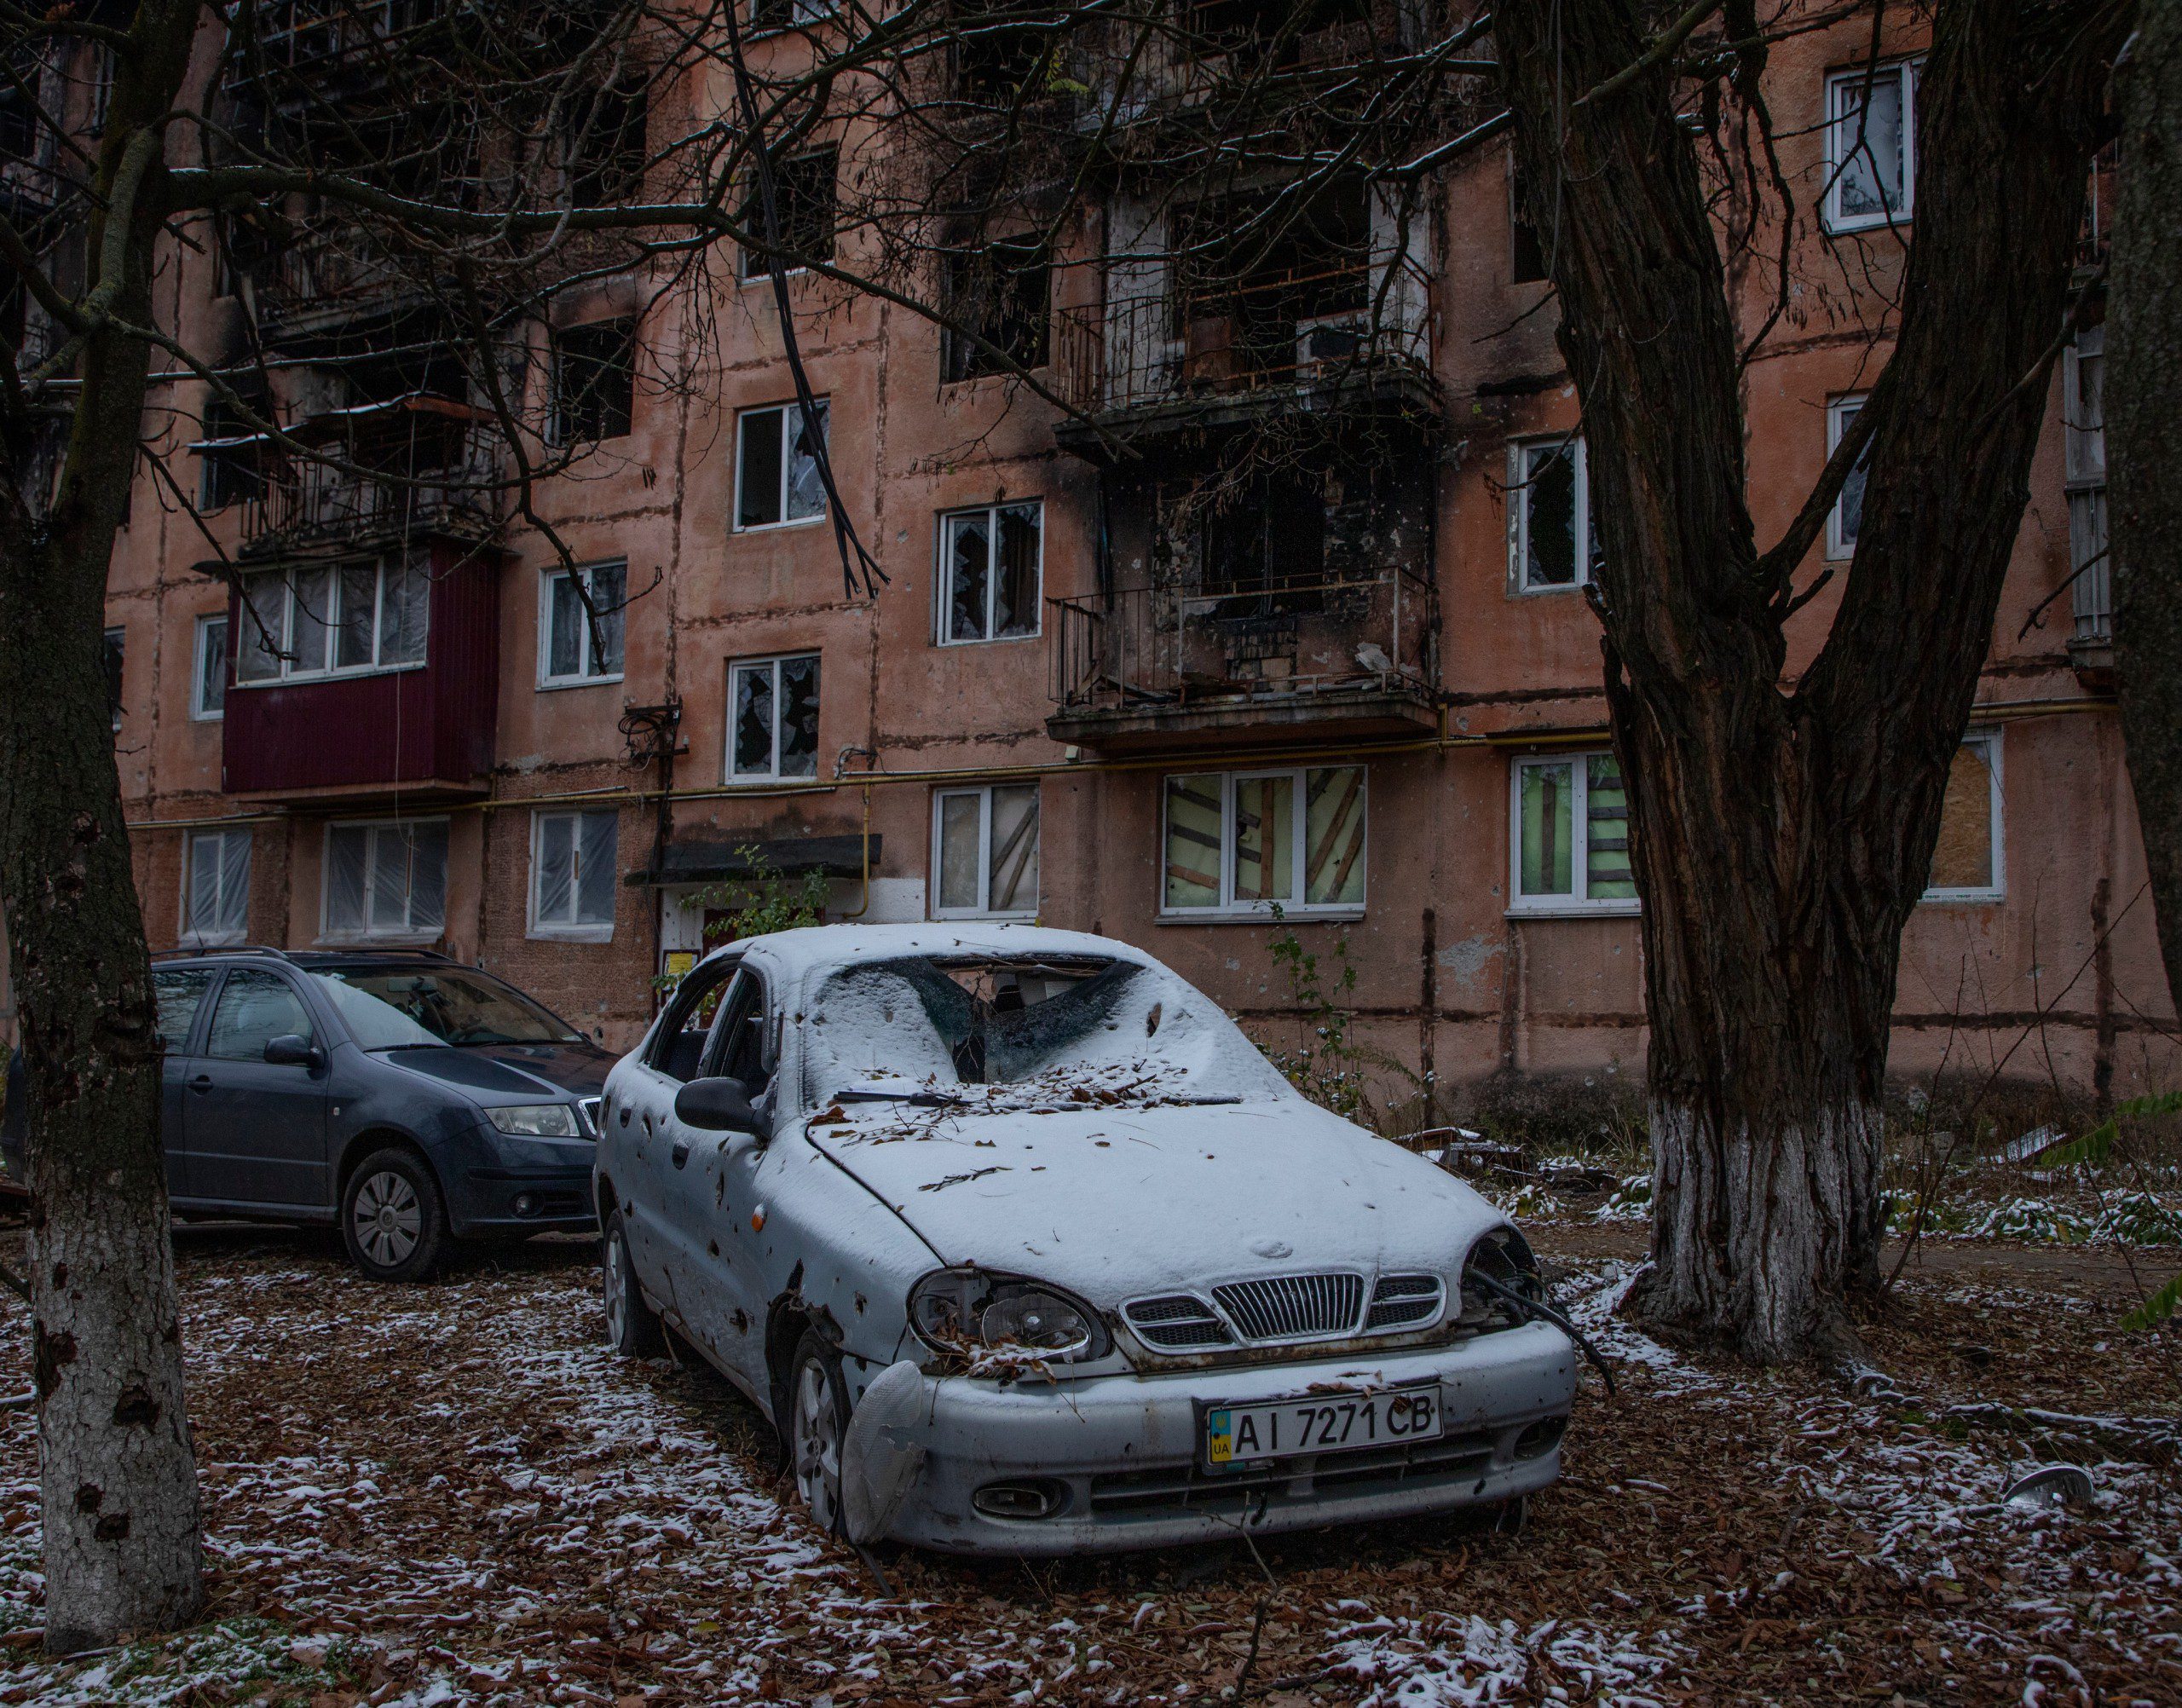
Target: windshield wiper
(919, 1100)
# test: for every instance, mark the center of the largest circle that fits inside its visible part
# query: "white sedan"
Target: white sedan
(1025, 1248)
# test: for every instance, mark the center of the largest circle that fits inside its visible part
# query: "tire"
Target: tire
(817, 1420)
(393, 1218)
(632, 1327)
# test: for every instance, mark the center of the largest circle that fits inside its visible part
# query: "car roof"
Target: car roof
(311, 960)
(811, 950)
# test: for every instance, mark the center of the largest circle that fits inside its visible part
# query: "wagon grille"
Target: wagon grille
(1289, 1308)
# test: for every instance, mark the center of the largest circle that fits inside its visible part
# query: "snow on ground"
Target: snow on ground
(453, 1495)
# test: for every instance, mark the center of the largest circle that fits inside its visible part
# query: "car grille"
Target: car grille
(1404, 1302)
(1178, 1322)
(591, 1107)
(1287, 1307)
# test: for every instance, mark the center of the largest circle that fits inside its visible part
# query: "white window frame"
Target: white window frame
(1519, 513)
(288, 672)
(1577, 904)
(1844, 91)
(1840, 412)
(369, 932)
(1997, 891)
(198, 711)
(944, 573)
(192, 935)
(570, 930)
(984, 909)
(584, 677)
(2091, 562)
(771, 776)
(779, 413)
(1227, 907)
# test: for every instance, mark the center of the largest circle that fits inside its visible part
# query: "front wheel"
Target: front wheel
(818, 1419)
(393, 1220)
(632, 1327)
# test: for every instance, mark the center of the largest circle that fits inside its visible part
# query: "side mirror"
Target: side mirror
(290, 1051)
(715, 1106)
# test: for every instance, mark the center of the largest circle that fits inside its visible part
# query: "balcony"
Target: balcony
(366, 680)
(1154, 666)
(1157, 363)
(416, 465)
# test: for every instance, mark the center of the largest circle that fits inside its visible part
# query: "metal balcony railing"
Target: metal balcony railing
(1302, 330)
(415, 464)
(1145, 648)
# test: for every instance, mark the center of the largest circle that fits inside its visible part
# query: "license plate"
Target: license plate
(1321, 1424)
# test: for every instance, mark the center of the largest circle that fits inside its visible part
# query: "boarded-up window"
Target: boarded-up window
(1251, 841)
(1571, 840)
(1967, 864)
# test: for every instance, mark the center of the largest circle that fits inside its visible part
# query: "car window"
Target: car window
(178, 992)
(454, 1004)
(678, 1047)
(255, 1008)
(740, 1048)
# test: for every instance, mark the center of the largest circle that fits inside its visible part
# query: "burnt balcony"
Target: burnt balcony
(416, 465)
(1157, 363)
(1151, 665)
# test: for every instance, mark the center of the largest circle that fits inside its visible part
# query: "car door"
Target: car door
(178, 993)
(710, 1192)
(255, 1129)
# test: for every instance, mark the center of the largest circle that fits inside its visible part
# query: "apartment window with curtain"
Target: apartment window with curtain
(989, 566)
(208, 692)
(215, 887)
(985, 852)
(576, 646)
(386, 879)
(1871, 146)
(573, 875)
(2083, 403)
(772, 719)
(1847, 516)
(1242, 844)
(1569, 836)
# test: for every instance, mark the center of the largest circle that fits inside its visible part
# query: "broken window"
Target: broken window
(116, 647)
(2083, 404)
(208, 698)
(999, 62)
(1966, 861)
(320, 620)
(572, 856)
(1252, 841)
(1002, 294)
(772, 719)
(1571, 836)
(1265, 546)
(574, 646)
(216, 886)
(1549, 511)
(1526, 252)
(1270, 287)
(989, 561)
(594, 382)
(803, 200)
(605, 147)
(1871, 146)
(1847, 516)
(387, 878)
(228, 457)
(984, 857)
(779, 14)
(776, 466)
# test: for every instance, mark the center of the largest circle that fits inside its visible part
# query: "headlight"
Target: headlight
(959, 1310)
(536, 1120)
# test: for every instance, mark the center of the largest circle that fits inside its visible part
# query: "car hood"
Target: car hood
(546, 1071)
(1114, 1204)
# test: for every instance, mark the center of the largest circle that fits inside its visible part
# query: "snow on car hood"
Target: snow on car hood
(1115, 1202)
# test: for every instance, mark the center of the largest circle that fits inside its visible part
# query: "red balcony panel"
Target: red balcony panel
(429, 728)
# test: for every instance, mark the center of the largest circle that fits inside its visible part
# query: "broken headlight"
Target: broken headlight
(1504, 1260)
(970, 1309)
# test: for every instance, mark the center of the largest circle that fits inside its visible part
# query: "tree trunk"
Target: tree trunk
(2144, 431)
(1780, 840)
(117, 1469)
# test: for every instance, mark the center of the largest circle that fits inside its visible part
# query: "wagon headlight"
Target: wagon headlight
(534, 1120)
(970, 1309)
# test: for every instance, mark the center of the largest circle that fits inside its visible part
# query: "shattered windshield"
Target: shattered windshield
(1060, 1028)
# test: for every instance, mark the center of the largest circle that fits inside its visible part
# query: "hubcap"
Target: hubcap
(818, 1444)
(387, 1218)
(617, 1303)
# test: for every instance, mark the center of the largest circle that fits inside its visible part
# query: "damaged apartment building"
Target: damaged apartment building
(1279, 626)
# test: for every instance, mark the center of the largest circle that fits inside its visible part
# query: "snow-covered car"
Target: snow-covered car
(1025, 1248)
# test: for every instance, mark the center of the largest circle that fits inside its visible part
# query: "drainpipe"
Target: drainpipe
(863, 901)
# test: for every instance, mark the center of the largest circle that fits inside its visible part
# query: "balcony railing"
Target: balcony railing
(1156, 348)
(417, 464)
(1147, 649)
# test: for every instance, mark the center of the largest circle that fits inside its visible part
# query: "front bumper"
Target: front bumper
(499, 1183)
(1127, 1449)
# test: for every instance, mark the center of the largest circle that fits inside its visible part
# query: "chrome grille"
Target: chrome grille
(590, 1107)
(1289, 1308)
(1176, 1322)
(1404, 1302)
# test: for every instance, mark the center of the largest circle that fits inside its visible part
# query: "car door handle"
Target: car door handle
(202, 1082)
(681, 1152)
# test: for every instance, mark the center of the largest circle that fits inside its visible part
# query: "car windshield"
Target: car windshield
(960, 1029)
(389, 1007)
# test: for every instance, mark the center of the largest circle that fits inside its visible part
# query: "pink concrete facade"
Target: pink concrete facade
(2052, 972)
